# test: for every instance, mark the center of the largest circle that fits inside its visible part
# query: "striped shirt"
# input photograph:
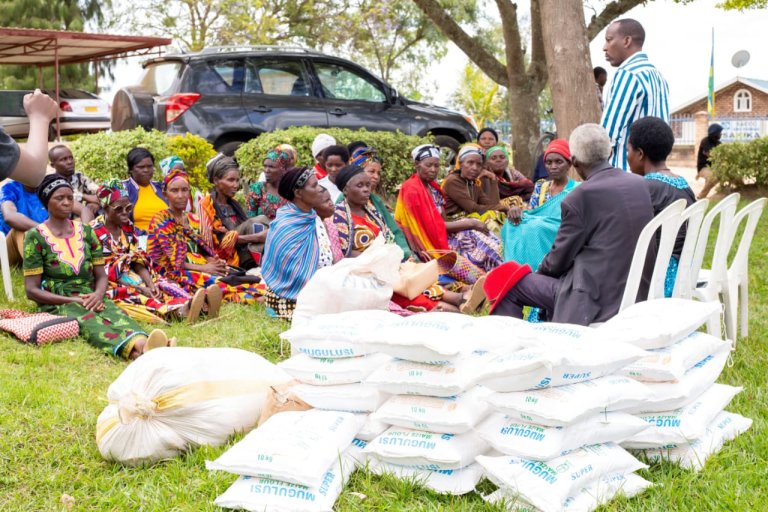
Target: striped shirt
(637, 90)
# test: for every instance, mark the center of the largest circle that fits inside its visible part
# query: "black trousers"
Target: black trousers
(534, 290)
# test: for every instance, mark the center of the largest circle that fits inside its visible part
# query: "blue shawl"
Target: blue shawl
(291, 252)
(531, 240)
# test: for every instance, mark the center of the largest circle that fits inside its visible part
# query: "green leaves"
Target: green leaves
(741, 163)
(102, 155)
(394, 148)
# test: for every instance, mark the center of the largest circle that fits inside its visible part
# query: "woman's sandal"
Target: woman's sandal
(213, 296)
(475, 299)
(156, 339)
(196, 304)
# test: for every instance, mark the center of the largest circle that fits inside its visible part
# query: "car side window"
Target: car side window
(281, 78)
(220, 77)
(343, 83)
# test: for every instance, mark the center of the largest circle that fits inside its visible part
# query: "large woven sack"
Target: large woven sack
(360, 283)
(38, 328)
(174, 398)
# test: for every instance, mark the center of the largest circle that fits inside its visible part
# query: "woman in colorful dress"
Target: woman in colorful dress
(528, 235)
(145, 194)
(420, 211)
(299, 236)
(263, 198)
(464, 192)
(359, 223)
(224, 224)
(499, 182)
(64, 274)
(133, 286)
(179, 253)
(650, 143)
(367, 158)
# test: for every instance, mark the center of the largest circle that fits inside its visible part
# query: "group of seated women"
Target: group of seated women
(148, 256)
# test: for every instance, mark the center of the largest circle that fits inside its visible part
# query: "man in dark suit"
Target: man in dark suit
(582, 278)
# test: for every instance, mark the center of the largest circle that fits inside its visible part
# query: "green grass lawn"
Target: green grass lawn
(50, 398)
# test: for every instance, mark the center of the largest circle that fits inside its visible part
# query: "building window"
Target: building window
(742, 101)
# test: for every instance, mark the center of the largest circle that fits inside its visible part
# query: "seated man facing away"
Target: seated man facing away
(63, 162)
(20, 210)
(582, 278)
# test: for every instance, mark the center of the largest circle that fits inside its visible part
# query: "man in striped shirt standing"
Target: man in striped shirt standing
(638, 89)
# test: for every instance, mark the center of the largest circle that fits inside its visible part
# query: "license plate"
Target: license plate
(91, 109)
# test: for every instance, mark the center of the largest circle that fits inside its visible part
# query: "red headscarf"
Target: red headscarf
(559, 146)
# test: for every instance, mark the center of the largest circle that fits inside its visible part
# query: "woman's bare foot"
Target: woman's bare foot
(195, 306)
(213, 297)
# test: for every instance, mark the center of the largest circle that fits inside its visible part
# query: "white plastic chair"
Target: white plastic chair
(685, 281)
(716, 278)
(669, 221)
(738, 272)
(6, 267)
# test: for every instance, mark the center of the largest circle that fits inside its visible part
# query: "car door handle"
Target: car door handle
(338, 112)
(262, 109)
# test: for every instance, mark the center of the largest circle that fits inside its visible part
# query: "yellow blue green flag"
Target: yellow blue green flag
(711, 90)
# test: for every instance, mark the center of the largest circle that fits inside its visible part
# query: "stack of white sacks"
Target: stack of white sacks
(543, 410)
(685, 411)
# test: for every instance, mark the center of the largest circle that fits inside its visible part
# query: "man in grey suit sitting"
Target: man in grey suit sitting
(582, 278)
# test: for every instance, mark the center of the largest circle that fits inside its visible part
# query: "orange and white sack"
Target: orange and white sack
(171, 399)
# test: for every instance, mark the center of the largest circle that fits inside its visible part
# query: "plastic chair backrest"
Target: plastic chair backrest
(668, 220)
(693, 217)
(752, 213)
(6, 267)
(725, 209)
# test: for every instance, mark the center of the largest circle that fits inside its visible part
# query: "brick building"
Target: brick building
(741, 107)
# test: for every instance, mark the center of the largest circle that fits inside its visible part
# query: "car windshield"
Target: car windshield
(159, 77)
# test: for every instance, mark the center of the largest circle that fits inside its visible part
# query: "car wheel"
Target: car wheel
(229, 148)
(449, 148)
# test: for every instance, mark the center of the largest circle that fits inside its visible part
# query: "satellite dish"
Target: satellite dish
(740, 58)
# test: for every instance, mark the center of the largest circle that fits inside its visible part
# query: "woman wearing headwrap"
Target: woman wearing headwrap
(145, 195)
(369, 160)
(133, 285)
(528, 236)
(464, 192)
(174, 162)
(420, 211)
(179, 252)
(359, 223)
(64, 275)
(263, 197)
(224, 224)
(297, 242)
(499, 182)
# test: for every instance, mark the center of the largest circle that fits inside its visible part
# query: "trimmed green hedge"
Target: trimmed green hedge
(394, 148)
(101, 156)
(738, 163)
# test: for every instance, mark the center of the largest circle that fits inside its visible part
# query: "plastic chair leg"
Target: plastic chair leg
(6, 268)
(713, 326)
(744, 305)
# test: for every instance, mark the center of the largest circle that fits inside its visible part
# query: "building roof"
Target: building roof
(25, 46)
(760, 85)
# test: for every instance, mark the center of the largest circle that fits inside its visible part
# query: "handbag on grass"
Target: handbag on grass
(456, 266)
(415, 278)
(38, 328)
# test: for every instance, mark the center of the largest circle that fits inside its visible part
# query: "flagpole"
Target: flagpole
(711, 84)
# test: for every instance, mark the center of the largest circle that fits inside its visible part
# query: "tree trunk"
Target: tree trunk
(574, 96)
(524, 121)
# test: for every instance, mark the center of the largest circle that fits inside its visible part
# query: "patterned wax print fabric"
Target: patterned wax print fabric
(261, 202)
(358, 233)
(171, 245)
(66, 266)
(121, 255)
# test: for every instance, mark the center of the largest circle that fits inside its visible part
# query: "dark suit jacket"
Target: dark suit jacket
(592, 252)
